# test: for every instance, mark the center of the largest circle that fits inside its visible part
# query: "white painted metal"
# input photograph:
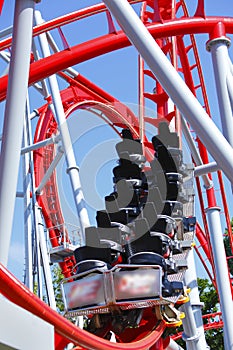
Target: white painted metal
(28, 182)
(72, 168)
(230, 88)
(196, 307)
(205, 169)
(13, 119)
(6, 32)
(45, 260)
(219, 53)
(35, 146)
(173, 84)
(222, 276)
(50, 170)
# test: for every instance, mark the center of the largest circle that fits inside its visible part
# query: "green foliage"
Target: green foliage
(228, 253)
(57, 278)
(209, 297)
(228, 250)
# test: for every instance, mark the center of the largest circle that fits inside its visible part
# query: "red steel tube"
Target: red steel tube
(18, 293)
(107, 43)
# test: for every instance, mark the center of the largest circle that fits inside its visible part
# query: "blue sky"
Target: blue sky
(117, 74)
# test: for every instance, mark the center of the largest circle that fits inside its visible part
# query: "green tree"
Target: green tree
(209, 297)
(57, 278)
(228, 252)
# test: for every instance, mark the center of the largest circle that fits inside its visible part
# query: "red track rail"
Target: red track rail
(15, 291)
(211, 321)
(79, 95)
(111, 42)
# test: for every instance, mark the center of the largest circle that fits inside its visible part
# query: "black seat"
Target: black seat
(165, 224)
(127, 170)
(122, 217)
(126, 134)
(103, 219)
(150, 214)
(145, 242)
(111, 203)
(154, 196)
(167, 162)
(148, 258)
(93, 249)
(127, 196)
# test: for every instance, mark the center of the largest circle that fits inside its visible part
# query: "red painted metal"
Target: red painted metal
(1, 5)
(211, 321)
(64, 20)
(18, 293)
(111, 42)
(81, 94)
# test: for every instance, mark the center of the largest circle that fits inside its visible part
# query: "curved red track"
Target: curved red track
(82, 93)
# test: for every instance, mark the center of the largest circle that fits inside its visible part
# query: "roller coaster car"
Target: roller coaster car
(123, 287)
(131, 261)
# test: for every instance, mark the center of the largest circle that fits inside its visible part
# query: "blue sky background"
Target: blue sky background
(94, 142)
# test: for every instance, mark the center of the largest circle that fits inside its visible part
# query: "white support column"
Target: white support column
(173, 84)
(72, 168)
(230, 88)
(222, 276)
(50, 170)
(13, 119)
(219, 53)
(45, 260)
(194, 336)
(28, 210)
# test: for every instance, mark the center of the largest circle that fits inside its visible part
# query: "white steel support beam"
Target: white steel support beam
(35, 146)
(192, 323)
(13, 119)
(173, 84)
(72, 168)
(200, 170)
(45, 259)
(218, 46)
(230, 88)
(50, 170)
(28, 209)
(222, 275)
(219, 53)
